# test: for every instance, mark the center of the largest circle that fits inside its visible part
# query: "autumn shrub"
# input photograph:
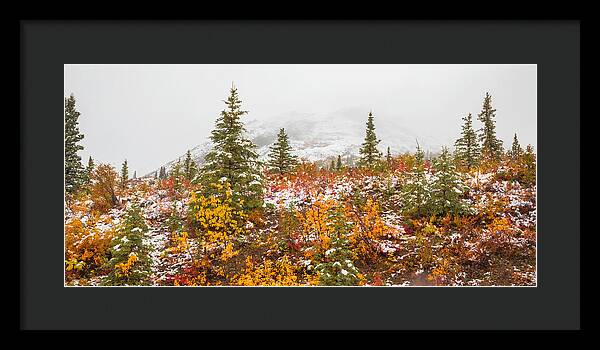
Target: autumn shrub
(290, 228)
(103, 188)
(281, 272)
(195, 274)
(219, 226)
(368, 231)
(257, 218)
(86, 247)
(490, 207)
(316, 227)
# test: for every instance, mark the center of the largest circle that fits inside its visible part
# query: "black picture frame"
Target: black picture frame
(45, 46)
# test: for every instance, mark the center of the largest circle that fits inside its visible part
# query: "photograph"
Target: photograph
(300, 175)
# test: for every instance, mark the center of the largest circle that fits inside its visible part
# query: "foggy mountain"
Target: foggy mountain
(322, 137)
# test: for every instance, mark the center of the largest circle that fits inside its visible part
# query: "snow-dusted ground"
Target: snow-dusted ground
(399, 246)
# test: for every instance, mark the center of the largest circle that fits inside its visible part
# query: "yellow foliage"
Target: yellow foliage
(500, 225)
(124, 269)
(315, 221)
(180, 243)
(369, 230)
(86, 246)
(279, 273)
(219, 222)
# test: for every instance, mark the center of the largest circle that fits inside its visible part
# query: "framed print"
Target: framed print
(379, 174)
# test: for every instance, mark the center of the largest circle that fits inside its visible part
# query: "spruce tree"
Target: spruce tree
(516, 151)
(388, 156)
(447, 187)
(124, 175)
(332, 165)
(89, 171)
(91, 165)
(415, 191)
(233, 158)
(339, 164)
(175, 175)
(281, 160)
(528, 161)
(134, 174)
(189, 167)
(335, 267)
(130, 257)
(161, 173)
(467, 147)
(491, 146)
(369, 154)
(74, 172)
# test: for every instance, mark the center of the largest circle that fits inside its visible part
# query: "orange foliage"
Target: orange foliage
(368, 231)
(86, 247)
(279, 273)
(103, 188)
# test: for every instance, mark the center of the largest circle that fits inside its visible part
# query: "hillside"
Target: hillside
(322, 137)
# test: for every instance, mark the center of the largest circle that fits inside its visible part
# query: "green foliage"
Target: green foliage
(339, 166)
(528, 166)
(89, 172)
(467, 148)
(174, 221)
(190, 169)
(74, 172)
(130, 260)
(415, 191)
(369, 154)
(281, 160)
(388, 157)
(176, 175)
(335, 266)
(124, 175)
(516, 151)
(491, 146)
(447, 187)
(233, 158)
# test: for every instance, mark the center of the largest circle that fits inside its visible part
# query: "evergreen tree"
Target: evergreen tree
(415, 192)
(189, 167)
(339, 165)
(369, 154)
(388, 157)
(528, 161)
(336, 268)
(281, 160)
(124, 175)
(332, 165)
(233, 158)
(175, 175)
(447, 187)
(130, 257)
(161, 173)
(467, 146)
(516, 151)
(89, 171)
(134, 174)
(491, 146)
(74, 173)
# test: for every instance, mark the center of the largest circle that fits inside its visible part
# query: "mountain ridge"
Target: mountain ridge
(321, 137)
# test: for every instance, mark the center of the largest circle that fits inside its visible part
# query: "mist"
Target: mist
(150, 114)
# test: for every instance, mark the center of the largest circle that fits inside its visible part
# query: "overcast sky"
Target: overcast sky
(151, 114)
